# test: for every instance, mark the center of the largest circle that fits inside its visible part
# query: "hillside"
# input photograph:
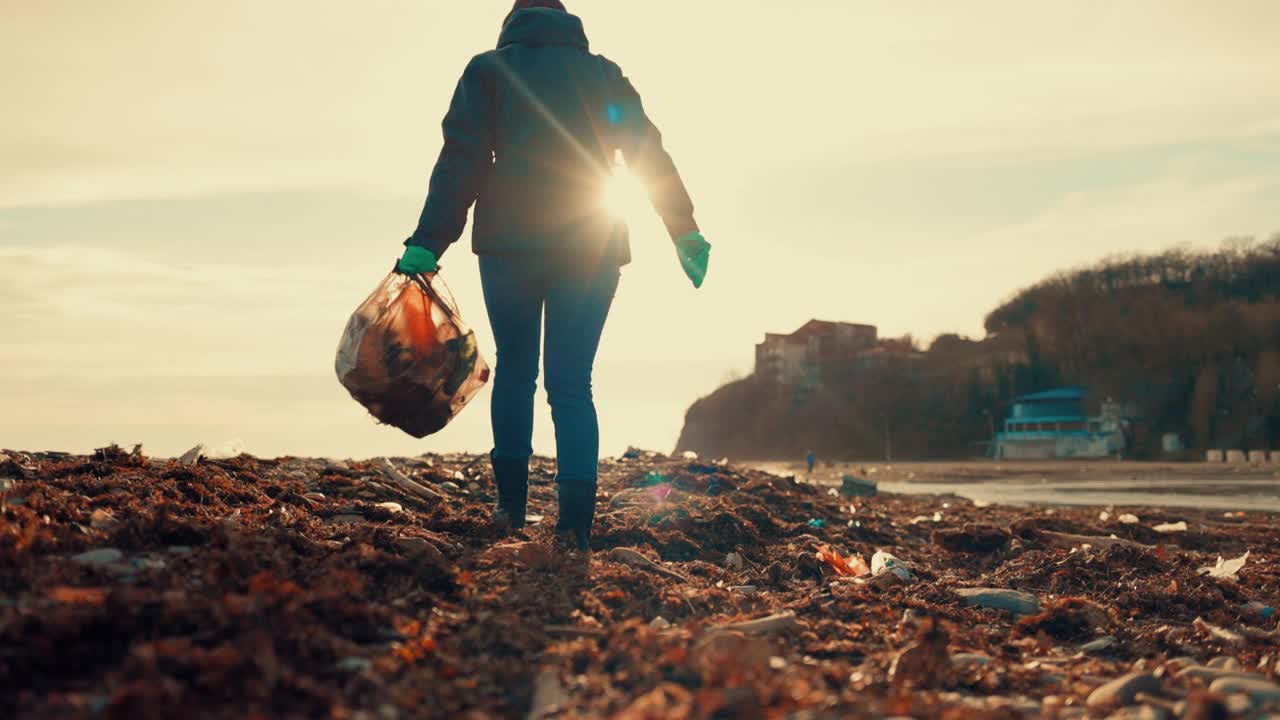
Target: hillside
(1190, 341)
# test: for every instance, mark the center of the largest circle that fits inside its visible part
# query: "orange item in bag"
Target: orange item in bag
(408, 358)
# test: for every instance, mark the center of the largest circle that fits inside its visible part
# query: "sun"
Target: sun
(624, 196)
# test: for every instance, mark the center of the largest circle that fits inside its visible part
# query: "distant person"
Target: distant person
(530, 139)
(811, 459)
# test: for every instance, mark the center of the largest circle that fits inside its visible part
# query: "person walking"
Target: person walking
(530, 139)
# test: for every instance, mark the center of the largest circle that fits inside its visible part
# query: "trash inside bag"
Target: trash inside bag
(407, 356)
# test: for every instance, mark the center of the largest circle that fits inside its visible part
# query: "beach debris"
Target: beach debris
(852, 486)
(99, 557)
(1128, 519)
(1018, 603)
(192, 456)
(1096, 646)
(634, 558)
(1218, 633)
(851, 566)
(548, 695)
(390, 472)
(1226, 569)
(1071, 618)
(1072, 540)
(1123, 690)
(882, 562)
(817, 523)
(769, 625)
(660, 623)
(689, 455)
(735, 562)
(1178, 527)
(1261, 610)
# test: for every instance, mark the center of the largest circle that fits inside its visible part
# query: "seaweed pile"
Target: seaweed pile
(133, 587)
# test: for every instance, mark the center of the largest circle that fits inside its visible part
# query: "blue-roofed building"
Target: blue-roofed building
(1053, 426)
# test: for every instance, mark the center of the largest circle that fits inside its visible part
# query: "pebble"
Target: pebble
(421, 547)
(1123, 690)
(355, 664)
(734, 561)
(394, 507)
(451, 486)
(1098, 645)
(345, 519)
(1018, 603)
(102, 519)
(1259, 691)
(102, 556)
(1210, 674)
(1224, 662)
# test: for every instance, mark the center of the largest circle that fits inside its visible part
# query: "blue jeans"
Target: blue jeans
(518, 291)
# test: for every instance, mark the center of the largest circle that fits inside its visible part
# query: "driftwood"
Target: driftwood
(1070, 540)
(627, 556)
(391, 473)
(575, 631)
(770, 625)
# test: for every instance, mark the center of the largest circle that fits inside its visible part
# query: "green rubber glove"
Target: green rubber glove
(694, 252)
(417, 260)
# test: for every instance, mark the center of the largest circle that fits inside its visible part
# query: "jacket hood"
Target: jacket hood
(543, 26)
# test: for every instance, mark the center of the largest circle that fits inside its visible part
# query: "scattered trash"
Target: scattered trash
(852, 486)
(548, 695)
(735, 562)
(355, 665)
(818, 523)
(660, 623)
(1227, 636)
(1129, 519)
(1178, 527)
(689, 455)
(852, 566)
(192, 456)
(1104, 516)
(1018, 603)
(1259, 609)
(1226, 569)
(882, 562)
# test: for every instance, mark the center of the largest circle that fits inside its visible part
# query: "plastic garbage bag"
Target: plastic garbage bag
(408, 357)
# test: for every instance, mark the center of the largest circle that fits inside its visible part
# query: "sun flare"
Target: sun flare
(624, 196)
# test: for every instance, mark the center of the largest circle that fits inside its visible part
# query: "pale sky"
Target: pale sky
(194, 196)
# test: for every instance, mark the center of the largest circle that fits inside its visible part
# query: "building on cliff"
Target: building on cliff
(1053, 426)
(788, 359)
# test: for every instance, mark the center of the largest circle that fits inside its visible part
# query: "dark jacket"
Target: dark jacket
(530, 139)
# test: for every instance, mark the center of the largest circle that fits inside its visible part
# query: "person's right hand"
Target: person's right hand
(694, 252)
(417, 260)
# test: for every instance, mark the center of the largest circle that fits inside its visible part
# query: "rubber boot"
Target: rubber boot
(512, 479)
(577, 513)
